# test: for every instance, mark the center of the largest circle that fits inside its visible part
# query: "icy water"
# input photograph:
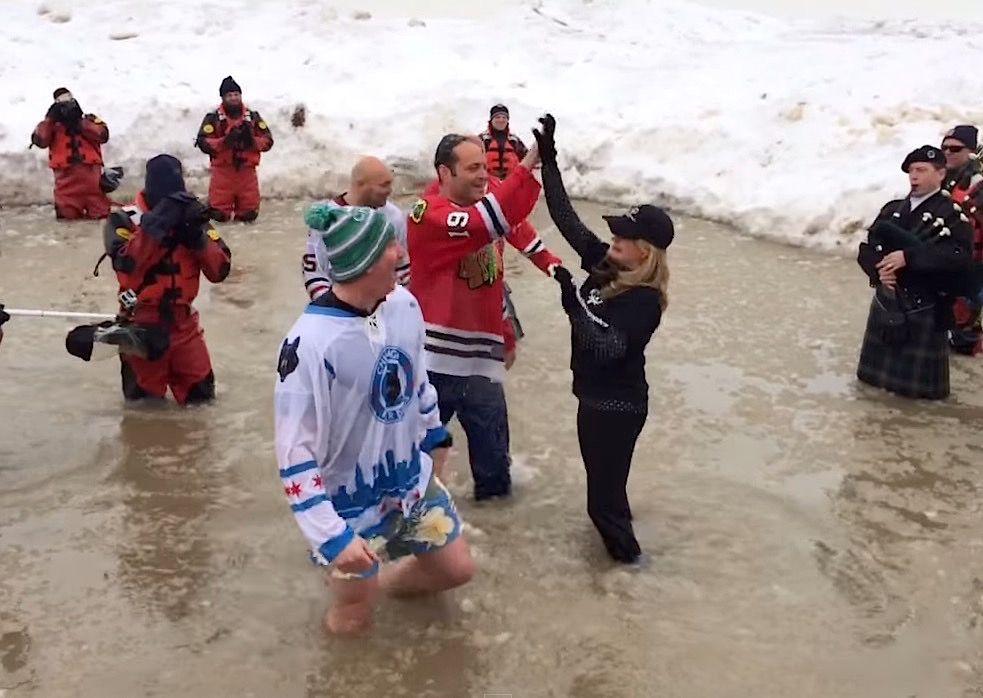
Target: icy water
(805, 536)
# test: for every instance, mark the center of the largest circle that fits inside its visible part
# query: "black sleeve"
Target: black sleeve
(207, 130)
(578, 236)
(884, 214)
(117, 231)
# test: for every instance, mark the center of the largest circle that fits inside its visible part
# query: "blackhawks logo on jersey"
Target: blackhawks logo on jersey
(418, 210)
(481, 268)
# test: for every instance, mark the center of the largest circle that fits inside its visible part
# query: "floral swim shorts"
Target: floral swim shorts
(431, 524)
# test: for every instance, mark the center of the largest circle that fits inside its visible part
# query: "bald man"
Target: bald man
(370, 184)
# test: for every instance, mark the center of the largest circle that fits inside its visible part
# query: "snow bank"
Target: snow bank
(786, 129)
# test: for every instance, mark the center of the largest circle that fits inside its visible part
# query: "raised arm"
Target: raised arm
(441, 234)
(584, 242)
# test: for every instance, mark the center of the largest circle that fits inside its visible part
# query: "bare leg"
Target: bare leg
(352, 605)
(440, 570)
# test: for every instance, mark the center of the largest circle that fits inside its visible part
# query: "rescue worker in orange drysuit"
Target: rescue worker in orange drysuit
(74, 142)
(234, 136)
(159, 247)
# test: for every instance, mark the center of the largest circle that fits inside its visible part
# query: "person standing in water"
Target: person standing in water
(234, 137)
(613, 315)
(356, 426)
(503, 149)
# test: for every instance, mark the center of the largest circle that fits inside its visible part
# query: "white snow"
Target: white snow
(789, 129)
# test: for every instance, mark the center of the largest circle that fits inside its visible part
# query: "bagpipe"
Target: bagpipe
(886, 235)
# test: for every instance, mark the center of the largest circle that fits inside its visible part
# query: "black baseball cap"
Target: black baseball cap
(649, 223)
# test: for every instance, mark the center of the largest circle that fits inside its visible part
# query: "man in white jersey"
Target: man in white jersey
(356, 421)
(371, 185)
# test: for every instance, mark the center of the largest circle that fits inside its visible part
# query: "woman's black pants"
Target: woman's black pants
(607, 441)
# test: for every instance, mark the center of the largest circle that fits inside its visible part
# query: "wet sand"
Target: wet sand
(805, 536)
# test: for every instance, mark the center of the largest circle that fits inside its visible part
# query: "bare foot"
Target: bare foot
(345, 622)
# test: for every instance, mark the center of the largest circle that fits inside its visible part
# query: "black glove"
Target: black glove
(73, 112)
(868, 258)
(54, 112)
(167, 216)
(231, 139)
(246, 135)
(191, 231)
(562, 275)
(568, 291)
(545, 139)
(4, 316)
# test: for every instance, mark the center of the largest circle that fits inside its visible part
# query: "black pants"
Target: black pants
(607, 441)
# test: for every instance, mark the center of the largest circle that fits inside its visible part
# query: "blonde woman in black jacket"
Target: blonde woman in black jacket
(613, 315)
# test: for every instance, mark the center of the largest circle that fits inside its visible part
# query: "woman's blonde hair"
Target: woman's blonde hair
(652, 272)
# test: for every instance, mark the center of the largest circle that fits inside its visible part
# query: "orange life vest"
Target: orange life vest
(72, 148)
(501, 157)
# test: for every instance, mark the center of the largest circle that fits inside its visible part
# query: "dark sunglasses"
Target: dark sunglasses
(954, 148)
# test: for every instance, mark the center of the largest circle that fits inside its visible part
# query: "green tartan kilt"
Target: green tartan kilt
(917, 366)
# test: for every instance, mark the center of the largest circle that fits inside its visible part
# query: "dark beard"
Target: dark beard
(233, 111)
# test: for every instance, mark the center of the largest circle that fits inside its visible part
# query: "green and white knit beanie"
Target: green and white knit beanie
(354, 237)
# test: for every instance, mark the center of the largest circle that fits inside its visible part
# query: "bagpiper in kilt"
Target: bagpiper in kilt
(918, 258)
(964, 182)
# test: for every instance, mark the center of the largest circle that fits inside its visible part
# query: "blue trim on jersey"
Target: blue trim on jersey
(429, 409)
(433, 437)
(299, 468)
(309, 503)
(312, 309)
(332, 548)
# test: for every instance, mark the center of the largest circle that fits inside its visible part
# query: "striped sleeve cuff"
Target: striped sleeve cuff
(435, 437)
(332, 548)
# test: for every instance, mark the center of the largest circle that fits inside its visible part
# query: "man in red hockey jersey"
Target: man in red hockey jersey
(456, 276)
(526, 240)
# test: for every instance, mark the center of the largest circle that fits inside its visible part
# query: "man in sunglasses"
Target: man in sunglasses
(964, 182)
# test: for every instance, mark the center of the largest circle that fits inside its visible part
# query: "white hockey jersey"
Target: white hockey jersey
(355, 418)
(315, 263)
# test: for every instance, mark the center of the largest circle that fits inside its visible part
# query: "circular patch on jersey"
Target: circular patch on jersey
(208, 128)
(213, 234)
(96, 120)
(262, 125)
(392, 385)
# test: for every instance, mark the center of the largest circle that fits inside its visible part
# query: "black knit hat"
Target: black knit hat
(164, 177)
(927, 153)
(228, 85)
(965, 134)
(498, 109)
(61, 91)
(648, 223)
